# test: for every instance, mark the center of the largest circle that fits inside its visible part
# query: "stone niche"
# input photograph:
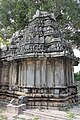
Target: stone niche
(39, 64)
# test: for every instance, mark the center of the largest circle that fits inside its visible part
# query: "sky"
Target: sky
(77, 54)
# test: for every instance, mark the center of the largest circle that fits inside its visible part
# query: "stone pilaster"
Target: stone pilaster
(5, 73)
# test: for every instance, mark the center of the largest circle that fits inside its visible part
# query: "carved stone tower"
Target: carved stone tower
(40, 63)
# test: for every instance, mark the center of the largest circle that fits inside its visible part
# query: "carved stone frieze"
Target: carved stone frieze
(41, 35)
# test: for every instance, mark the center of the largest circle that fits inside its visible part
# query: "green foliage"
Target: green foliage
(35, 118)
(4, 42)
(77, 76)
(70, 115)
(1, 40)
(2, 117)
(15, 15)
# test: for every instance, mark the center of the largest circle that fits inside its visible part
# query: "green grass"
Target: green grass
(70, 115)
(2, 117)
(35, 118)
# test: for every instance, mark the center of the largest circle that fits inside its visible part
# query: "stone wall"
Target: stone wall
(38, 72)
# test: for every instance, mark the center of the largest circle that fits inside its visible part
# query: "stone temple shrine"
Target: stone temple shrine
(39, 64)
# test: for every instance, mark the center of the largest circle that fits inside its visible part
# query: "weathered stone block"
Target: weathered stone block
(16, 109)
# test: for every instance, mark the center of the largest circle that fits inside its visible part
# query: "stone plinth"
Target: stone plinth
(15, 109)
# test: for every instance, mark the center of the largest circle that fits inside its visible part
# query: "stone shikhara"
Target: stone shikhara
(39, 63)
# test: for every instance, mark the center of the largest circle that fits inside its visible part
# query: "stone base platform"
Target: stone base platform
(45, 98)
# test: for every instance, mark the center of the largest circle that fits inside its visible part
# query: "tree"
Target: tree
(15, 15)
(77, 76)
